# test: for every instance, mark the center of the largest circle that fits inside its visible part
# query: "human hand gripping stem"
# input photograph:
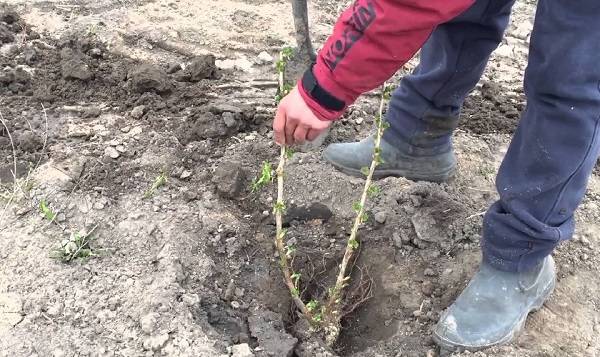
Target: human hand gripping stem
(295, 123)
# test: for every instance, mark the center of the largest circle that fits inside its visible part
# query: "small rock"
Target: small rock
(191, 299)
(60, 218)
(185, 174)
(135, 131)
(241, 350)
(98, 206)
(505, 51)
(121, 148)
(380, 217)
(359, 120)
(417, 313)
(585, 257)
(429, 272)
(239, 293)
(111, 152)
(148, 323)
(138, 111)
(264, 58)
(584, 241)
(236, 305)
(427, 227)
(96, 52)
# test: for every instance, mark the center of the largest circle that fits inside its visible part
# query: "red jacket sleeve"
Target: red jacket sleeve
(370, 42)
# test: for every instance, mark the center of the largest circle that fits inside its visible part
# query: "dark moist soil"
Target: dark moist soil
(78, 76)
(493, 110)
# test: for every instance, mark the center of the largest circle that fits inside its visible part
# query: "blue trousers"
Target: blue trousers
(544, 174)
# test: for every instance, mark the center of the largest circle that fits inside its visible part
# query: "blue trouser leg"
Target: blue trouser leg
(424, 109)
(544, 175)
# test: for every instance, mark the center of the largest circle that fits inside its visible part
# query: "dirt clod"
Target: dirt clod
(148, 323)
(427, 288)
(229, 179)
(267, 327)
(6, 35)
(156, 343)
(75, 68)
(303, 213)
(74, 65)
(8, 16)
(201, 67)
(150, 78)
(138, 111)
(29, 141)
(174, 68)
(241, 350)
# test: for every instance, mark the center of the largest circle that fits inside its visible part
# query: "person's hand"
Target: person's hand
(295, 123)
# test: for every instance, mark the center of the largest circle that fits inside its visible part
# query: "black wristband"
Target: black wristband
(320, 95)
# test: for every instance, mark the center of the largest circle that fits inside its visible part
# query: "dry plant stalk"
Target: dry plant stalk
(280, 208)
(332, 313)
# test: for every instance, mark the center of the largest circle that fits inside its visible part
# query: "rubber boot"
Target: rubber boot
(494, 306)
(350, 158)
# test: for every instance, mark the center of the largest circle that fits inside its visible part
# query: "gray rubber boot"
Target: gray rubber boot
(351, 157)
(494, 306)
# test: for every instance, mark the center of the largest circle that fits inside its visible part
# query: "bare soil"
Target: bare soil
(101, 97)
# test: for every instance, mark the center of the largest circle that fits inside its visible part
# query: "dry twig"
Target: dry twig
(333, 307)
(278, 210)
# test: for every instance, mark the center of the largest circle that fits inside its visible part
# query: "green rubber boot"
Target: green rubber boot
(494, 306)
(349, 158)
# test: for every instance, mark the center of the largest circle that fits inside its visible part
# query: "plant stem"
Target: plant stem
(333, 317)
(279, 232)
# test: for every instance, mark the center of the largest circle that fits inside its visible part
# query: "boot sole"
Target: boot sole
(448, 346)
(437, 177)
